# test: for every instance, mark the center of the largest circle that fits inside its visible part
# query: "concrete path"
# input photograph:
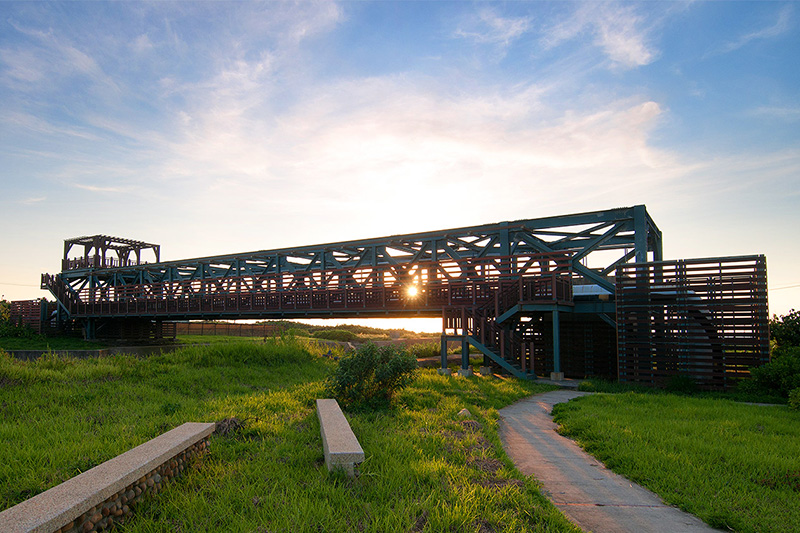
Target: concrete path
(590, 495)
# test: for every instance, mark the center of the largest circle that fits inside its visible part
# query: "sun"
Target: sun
(412, 291)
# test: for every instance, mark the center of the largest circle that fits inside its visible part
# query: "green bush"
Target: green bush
(10, 328)
(422, 350)
(785, 330)
(369, 376)
(296, 332)
(341, 335)
(779, 376)
(794, 399)
(681, 383)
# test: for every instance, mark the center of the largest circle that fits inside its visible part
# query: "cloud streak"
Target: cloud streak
(617, 30)
(781, 25)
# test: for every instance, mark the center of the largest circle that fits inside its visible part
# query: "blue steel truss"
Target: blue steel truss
(592, 243)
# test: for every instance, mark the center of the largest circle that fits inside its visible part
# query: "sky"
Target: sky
(223, 127)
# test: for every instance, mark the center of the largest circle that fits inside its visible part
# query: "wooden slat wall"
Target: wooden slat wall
(702, 318)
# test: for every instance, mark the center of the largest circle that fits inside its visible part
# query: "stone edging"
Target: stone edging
(95, 499)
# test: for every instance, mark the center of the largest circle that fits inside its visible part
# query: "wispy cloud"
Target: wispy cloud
(32, 201)
(97, 188)
(51, 57)
(34, 124)
(789, 114)
(619, 31)
(780, 26)
(489, 27)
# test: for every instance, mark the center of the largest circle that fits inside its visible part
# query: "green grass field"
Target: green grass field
(426, 470)
(736, 466)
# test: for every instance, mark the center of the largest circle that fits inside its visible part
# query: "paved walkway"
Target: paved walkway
(590, 495)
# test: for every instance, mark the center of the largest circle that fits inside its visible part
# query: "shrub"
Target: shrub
(681, 383)
(428, 349)
(794, 399)
(341, 335)
(11, 328)
(785, 331)
(296, 332)
(779, 376)
(369, 376)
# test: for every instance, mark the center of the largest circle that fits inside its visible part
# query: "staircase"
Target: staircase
(62, 293)
(495, 328)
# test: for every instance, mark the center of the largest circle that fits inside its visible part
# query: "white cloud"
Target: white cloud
(618, 30)
(781, 25)
(789, 114)
(489, 27)
(98, 188)
(32, 201)
(387, 149)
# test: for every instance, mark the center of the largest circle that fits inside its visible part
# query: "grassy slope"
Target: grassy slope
(425, 467)
(734, 465)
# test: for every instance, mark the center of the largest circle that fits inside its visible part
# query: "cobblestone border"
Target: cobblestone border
(104, 495)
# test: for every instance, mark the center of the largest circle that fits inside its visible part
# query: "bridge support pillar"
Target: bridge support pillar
(444, 352)
(464, 353)
(90, 330)
(556, 344)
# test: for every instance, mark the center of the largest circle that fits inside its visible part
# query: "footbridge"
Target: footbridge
(522, 292)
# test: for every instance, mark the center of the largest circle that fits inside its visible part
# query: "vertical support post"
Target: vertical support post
(640, 233)
(465, 370)
(444, 351)
(557, 374)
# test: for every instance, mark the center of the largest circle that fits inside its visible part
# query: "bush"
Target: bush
(423, 350)
(779, 376)
(296, 332)
(681, 383)
(785, 331)
(794, 399)
(368, 377)
(11, 328)
(341, 335)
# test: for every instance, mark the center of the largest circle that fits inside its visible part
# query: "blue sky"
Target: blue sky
(216, 127)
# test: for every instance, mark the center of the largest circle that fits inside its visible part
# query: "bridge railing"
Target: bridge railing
(425, 285)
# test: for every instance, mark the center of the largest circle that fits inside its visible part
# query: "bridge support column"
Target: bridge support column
(557, 374)
(444, 370)
(90, 330)
(465, 369)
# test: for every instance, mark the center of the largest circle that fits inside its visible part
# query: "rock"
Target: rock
(464, 413)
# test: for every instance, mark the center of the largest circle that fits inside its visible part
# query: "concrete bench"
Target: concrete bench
(341, 447)
(98, 497)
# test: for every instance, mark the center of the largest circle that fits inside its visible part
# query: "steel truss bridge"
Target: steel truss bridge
(511, 289)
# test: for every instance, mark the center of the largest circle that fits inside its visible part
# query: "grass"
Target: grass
(734, 465)
(426, 469)
(40, 342)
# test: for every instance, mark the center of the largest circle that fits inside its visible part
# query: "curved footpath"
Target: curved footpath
(590, 495)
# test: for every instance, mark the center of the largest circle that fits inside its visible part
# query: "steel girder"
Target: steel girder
(597, 242)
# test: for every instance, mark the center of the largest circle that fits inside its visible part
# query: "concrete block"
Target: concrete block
(339, 443)
(485, 371)
(556, 376)
(465, 372)
(445, 372)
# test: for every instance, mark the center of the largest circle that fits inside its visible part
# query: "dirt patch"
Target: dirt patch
(471, 425)
(229, 426)
(490, 466)
(498, 483)
(483, 526)
(419, 523)
(6, 381)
